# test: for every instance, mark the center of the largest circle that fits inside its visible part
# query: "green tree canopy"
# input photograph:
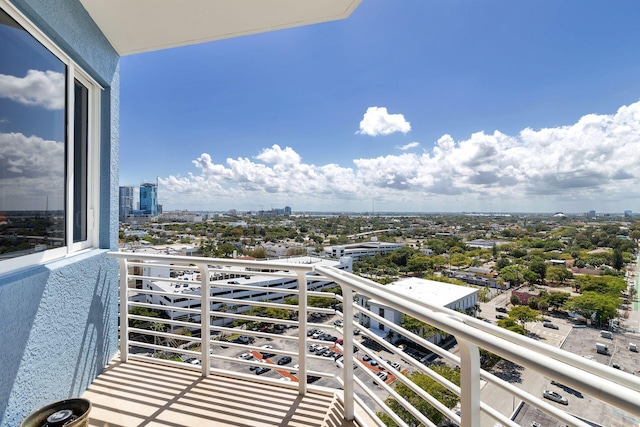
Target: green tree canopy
(555, 300)
(559, 274)
(510, 324)
(605, 307)
(431, 387)
(513, 274)
(608, 285)
(539, 266)
(525, 314)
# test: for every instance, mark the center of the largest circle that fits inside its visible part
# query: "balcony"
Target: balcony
(180, 370)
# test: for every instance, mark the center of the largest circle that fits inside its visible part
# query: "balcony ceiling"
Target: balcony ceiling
(135, 26)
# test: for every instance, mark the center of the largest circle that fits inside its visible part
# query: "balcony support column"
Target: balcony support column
(124, 309)
(469, 383)
(205, 320)
(347, 350)
(302, 333)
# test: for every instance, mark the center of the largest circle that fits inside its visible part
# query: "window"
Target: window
(48, 130)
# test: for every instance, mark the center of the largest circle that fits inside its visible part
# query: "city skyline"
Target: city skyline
(416, 107)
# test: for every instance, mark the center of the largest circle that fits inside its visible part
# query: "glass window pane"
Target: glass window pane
(80, 159)
(32, 143)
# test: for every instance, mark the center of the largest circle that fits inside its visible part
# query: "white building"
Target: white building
(360, 250)
(183, 286)
(455, 297)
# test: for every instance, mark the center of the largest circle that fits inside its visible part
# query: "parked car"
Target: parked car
(321, 348)
(310, 332)
(501, 309)
(556, 397)
(550, 325)
(383, 376)
(396, 366)
(338, 322)
(366, 358)
(500, 316)
(245, 356)
(261, 370)
(284, 360)
(313, 347)
(267, 355)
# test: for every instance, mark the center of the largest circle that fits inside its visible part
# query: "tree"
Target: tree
(592, 305)
(514, 300)
(419, 263)
(484, 294)
(555, 300)
(609, 285)
(524, 314)
(513, 274)
(510, 324)
(430, 386)
(543, 306)
(539, 267)
(502, 263)
(418, 327)
(559, 274)
(617, 262)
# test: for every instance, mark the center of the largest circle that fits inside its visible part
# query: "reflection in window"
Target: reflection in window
(80, 159)
(32, 143)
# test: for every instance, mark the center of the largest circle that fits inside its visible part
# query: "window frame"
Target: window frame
(94, 91)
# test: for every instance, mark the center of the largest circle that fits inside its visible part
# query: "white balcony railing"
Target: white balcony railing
(219, 290)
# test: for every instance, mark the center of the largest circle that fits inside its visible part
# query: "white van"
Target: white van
(606, 334)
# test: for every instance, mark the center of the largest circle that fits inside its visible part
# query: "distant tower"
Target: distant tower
(126, 203)
(149, 199)
(287, 210)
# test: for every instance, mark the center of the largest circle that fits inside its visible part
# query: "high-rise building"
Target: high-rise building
(126, 202)
(628, 214)
(287, 210)
(149, 199)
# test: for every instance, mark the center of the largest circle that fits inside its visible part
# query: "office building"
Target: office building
(125, 203)
(149, 199)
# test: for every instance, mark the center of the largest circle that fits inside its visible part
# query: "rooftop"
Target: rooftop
(437, 293)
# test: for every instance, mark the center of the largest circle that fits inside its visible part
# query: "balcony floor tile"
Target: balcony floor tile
(136, 394)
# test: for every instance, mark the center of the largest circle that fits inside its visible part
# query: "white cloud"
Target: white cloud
(408, 146)
(377, 121)
(32, 172)
(41, 88)
(593, 161)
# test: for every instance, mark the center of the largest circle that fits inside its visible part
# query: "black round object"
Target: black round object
(59, 418)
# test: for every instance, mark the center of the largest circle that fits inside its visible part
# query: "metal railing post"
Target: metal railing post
(124, 309)
(205, 319)
(302, 333)
(469, 383)
(347, 350)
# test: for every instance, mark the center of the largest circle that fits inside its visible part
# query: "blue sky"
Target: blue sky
(416, 105)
